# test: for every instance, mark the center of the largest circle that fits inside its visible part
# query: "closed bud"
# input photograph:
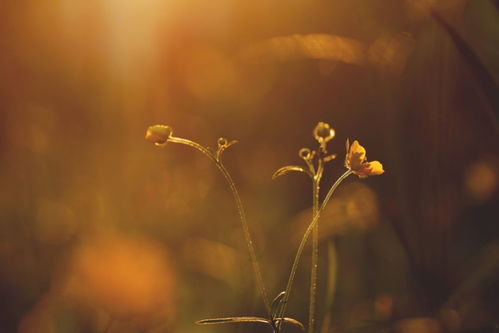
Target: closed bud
(323, 132)
(159, 134)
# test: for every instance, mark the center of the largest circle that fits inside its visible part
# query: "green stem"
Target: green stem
(315, 258)
(240, 209)
(305, 238)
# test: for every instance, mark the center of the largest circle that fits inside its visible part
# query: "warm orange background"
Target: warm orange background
(98, 226)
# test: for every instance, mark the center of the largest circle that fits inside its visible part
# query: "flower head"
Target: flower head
(356, 161)
(159, 134)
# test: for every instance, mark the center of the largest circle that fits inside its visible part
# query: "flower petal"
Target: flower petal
(362, 172)
(356, 156)
(375, 168)
(358, 151)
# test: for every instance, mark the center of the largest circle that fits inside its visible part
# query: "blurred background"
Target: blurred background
(100, 231)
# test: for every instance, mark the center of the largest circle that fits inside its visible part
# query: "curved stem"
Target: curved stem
(240, 209)
(305, 238)
(247, 236)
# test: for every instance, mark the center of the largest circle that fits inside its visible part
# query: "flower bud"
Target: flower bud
(306, 154)
(159, 134)
(323, 132)
(222, 142)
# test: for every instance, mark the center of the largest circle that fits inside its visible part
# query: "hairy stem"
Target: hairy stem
(240, 209)
(315, 258)
(305, 238)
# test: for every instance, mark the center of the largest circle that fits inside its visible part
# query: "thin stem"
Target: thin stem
(240, 209)
(315, 258)
(247, 236)
(305, 238)
(316, 181)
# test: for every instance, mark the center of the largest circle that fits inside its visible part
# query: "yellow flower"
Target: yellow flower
(356, 161)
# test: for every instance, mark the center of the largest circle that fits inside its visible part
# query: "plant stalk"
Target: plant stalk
(240, 209)
(315, 258)
(305, 238)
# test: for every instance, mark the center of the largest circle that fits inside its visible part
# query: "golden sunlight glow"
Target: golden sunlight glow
(482, 179)
(208, 72)
(383, 306)
(313, 46)
(103, 231)
(391, 52)
(125, 276)
(354, 208)
(134, 38)
(418, 325)
(213, 259)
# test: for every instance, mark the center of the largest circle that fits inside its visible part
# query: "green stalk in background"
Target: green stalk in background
(323, 133)
(305, 238)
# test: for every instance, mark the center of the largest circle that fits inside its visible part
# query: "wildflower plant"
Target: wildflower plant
(315, 161)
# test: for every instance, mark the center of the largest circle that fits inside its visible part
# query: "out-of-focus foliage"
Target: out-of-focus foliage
(99, 228)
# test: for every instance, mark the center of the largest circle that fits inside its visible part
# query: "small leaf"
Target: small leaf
(276, 304)
(229, 320)
(329, 158)
(293, 322)
(222, 145)
(289, 168)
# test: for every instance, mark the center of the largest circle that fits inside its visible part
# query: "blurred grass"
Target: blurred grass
(82, 80)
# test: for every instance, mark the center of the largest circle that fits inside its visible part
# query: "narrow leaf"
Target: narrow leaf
(293, 322)
(289, 168)
(330, 157)
(276, 304)
(229, 320)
